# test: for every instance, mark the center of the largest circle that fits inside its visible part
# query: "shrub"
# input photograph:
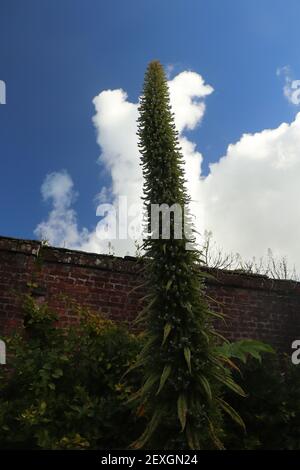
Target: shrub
(271, 411)
(65, 389)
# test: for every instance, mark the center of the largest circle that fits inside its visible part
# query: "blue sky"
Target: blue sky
(57, 55)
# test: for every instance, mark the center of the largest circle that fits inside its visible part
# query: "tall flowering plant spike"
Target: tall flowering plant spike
(181, 366)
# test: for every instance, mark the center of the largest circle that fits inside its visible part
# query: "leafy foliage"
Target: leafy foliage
(271, 411)
(244, 349)
(69, 390)
(65, 389)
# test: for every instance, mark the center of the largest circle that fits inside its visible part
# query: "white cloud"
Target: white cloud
(58, 187)
(60, 229)
(187, 91)
(249, 200)
(116, 126)
(251, 195)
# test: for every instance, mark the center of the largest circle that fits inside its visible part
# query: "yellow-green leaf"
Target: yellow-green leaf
(219, 445)
(187, 355)
(232, 413)
(139, 443)
(229, 362)
(228, 382)
(192, 438)
(164, 377)
(167, 330)
(205, 385)
(152, 379)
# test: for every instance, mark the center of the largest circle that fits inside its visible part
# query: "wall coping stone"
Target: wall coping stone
(132, 265)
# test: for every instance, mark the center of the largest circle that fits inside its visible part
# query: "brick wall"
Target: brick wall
(255, 306)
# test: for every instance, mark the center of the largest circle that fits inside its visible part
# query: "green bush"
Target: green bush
(65, 389)
(271, 411)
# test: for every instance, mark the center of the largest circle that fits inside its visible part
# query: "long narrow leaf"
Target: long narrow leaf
(228, 382)
(232, 413)
(155, 420)
(182, 410)
(164, 377)
(187, 355)
(205, 385)
(167, 331)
